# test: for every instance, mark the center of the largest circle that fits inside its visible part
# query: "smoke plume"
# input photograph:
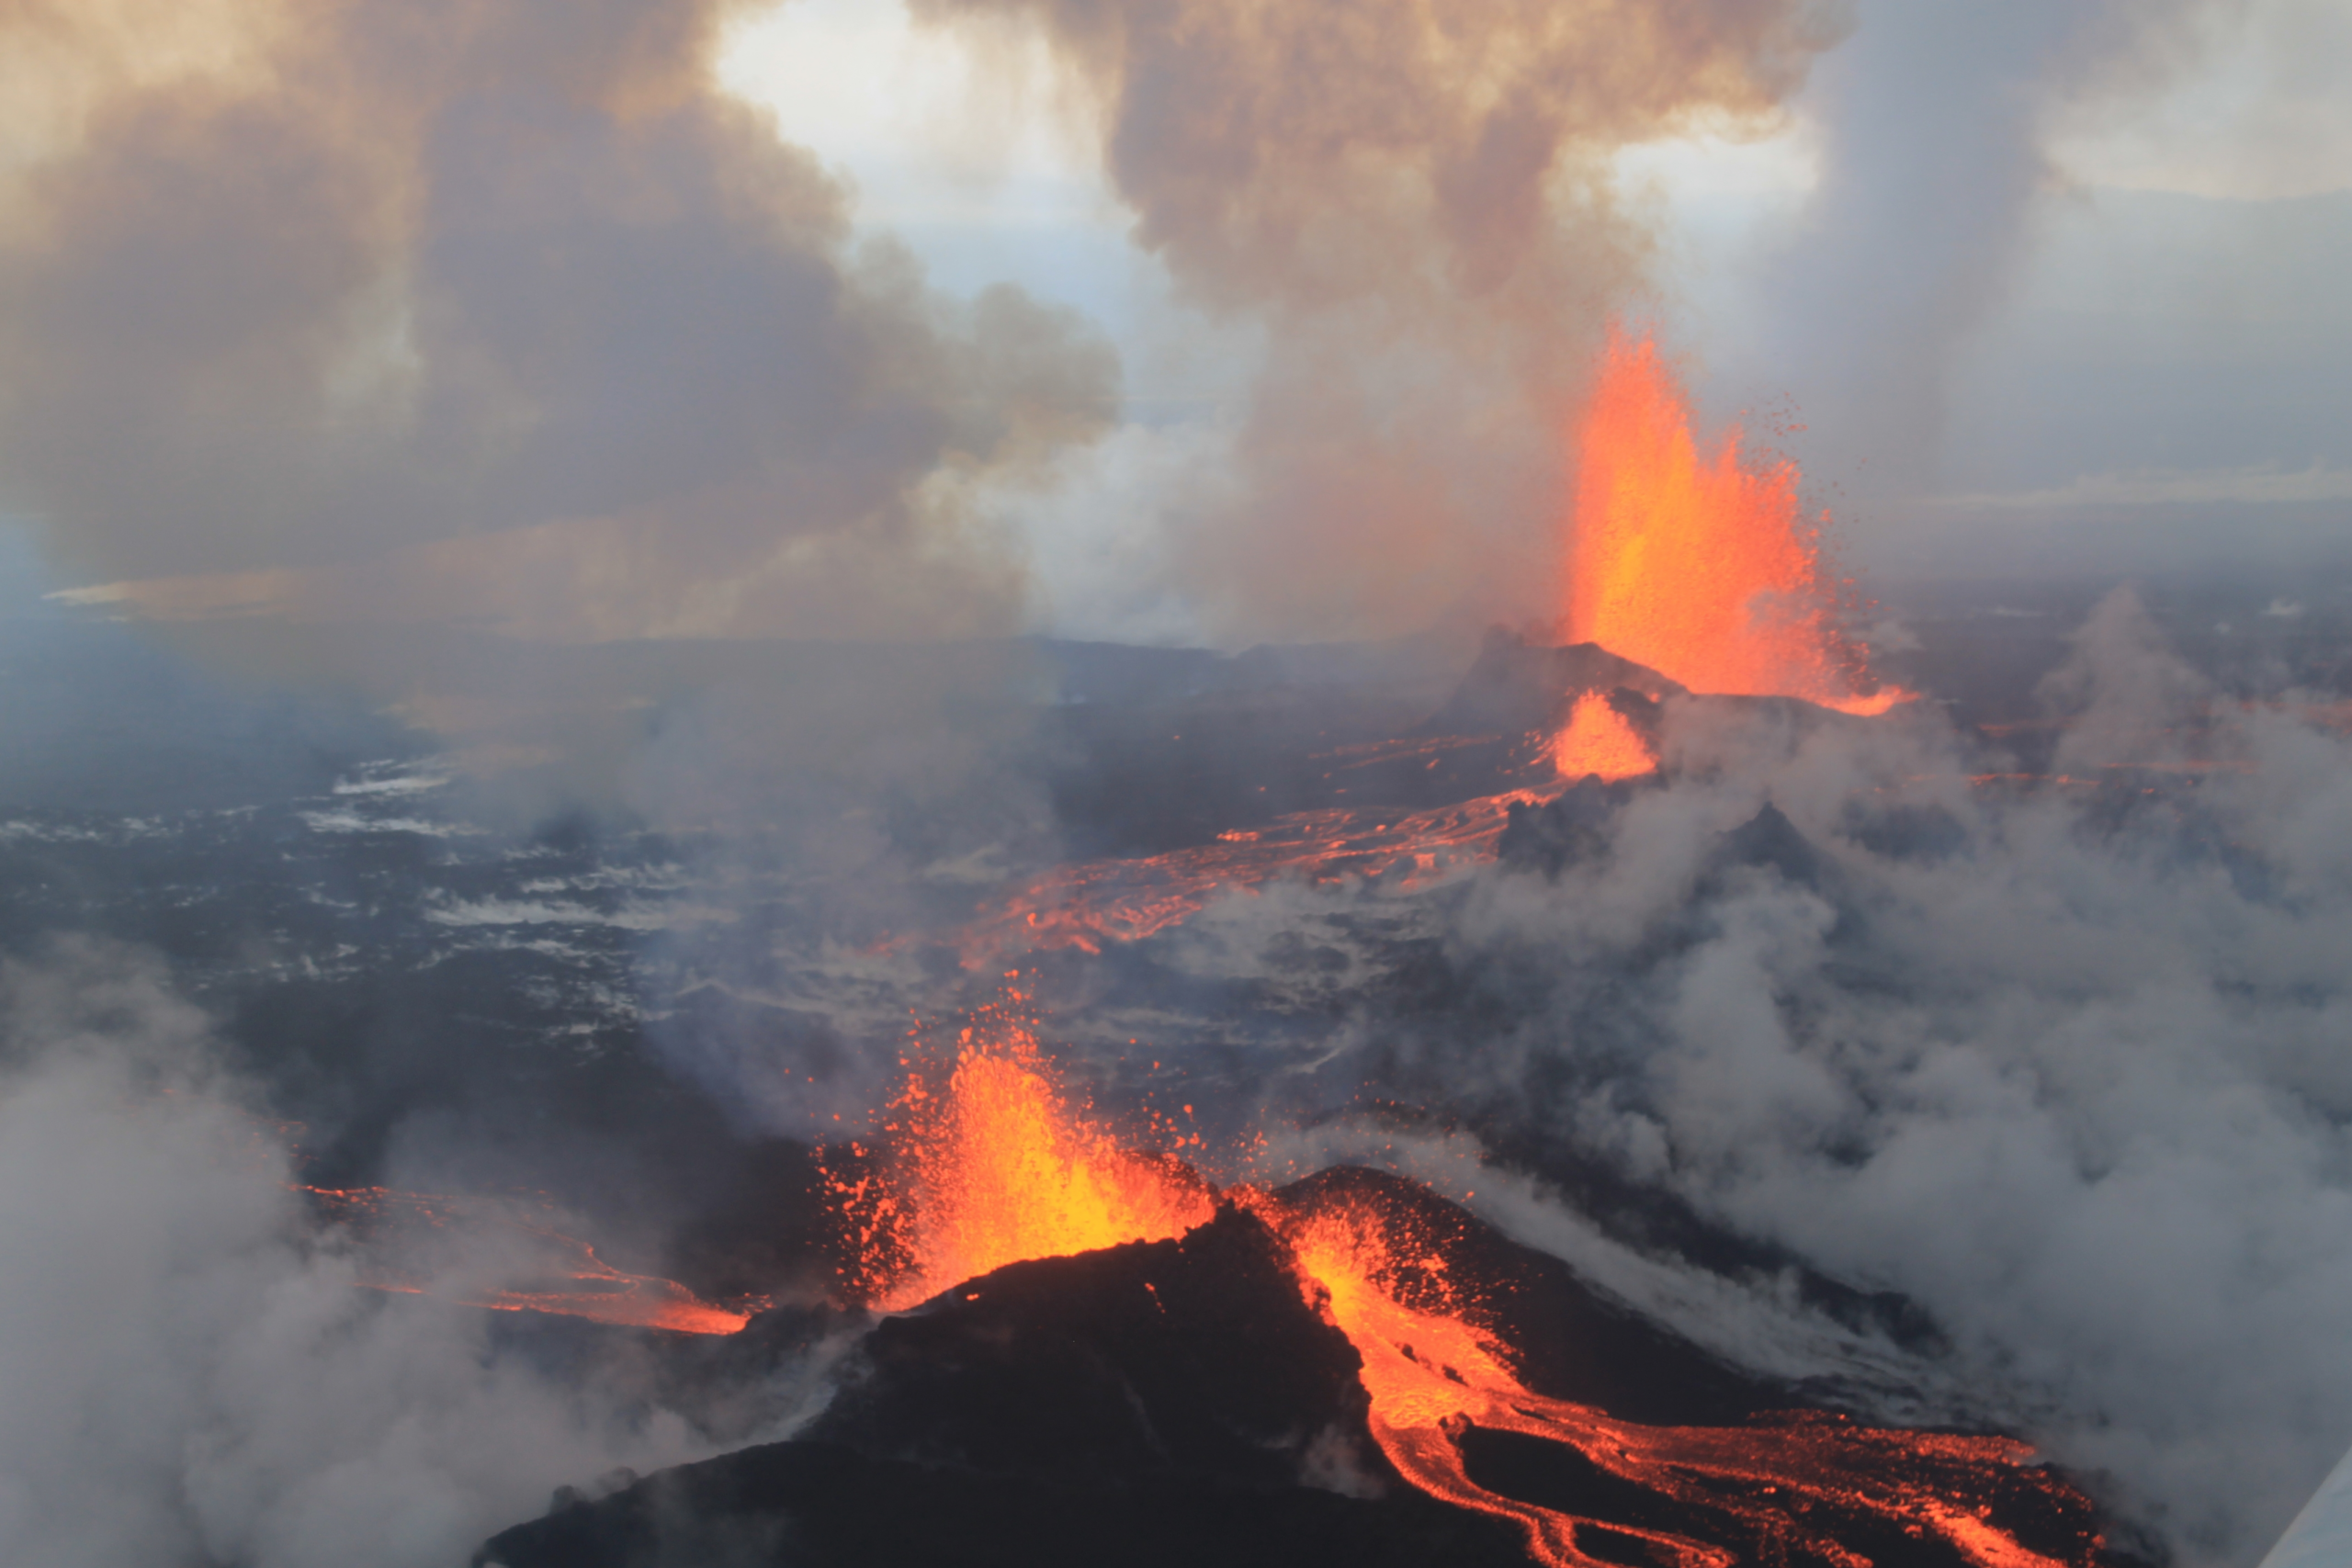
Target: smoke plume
(1935, 168)
(493, 311)
(192, 1374)
(2064, 1067)
(1415, 203)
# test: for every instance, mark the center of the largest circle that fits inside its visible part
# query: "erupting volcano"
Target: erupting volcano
(1061, 1331)
(1599, 743)
(1691, 576)
(996, 1166)
(1698, 564)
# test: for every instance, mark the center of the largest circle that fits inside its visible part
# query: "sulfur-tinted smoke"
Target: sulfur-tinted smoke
(1415, 201)
(492, 312)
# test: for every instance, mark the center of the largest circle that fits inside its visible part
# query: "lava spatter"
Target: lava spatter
(1696, 563)
(991, 1162)
(995, 1165)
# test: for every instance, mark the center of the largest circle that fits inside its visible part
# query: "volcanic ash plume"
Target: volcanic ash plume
(493, 310)
(1415, 202)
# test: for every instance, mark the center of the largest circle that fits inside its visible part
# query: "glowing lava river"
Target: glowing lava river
(417, 1243)
(993, 1162)
(1690, 571)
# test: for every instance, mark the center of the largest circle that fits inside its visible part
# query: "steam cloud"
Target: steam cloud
(192, 1375)
(1935, 170)
(496, 312)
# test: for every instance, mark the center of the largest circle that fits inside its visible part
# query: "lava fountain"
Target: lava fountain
(995, 1164)
(1597, 742)
(1698, 564)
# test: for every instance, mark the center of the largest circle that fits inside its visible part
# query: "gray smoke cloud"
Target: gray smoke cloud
(2066, 1068)
(1937, 122)
(2060, 1062)
(194, 1374)
(494, 312)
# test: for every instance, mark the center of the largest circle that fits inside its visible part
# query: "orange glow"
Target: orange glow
(997, 1166)
(1095, 903)
(1431, 1374)
(567, 1277)
(1599, 742)
(1696, 564)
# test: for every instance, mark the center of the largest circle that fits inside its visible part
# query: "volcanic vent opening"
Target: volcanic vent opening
(1698, 563)
(995, 1164)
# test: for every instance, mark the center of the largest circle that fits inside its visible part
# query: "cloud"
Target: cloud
(193, 1373)
(2167, 487)
(1421, 209)
(495, 311)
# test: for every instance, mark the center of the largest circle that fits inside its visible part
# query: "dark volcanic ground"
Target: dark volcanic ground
(462, 978)
(1179, 1403)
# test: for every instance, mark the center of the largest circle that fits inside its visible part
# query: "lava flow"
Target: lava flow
(1698, 565)
(1693, 565)
(995, 1165)
(1786, 1486)
(569, 1279)
(1097, 902)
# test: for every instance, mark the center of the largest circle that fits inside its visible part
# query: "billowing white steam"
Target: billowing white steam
(2077, 1080)
(191, 1374)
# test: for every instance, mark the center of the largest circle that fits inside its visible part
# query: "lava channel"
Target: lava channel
(994, 1163)
(416, 1244)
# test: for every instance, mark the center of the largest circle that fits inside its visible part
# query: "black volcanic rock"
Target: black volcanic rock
(1153, 1404)
(1515, 687)
(1770, 841)
(1163, 1402)
(806, 1505)
(1194, 1358)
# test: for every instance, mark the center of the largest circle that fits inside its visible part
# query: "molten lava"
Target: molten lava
(566, 1277)
(995, 1165)
(1599, 742)
(1786, 1484)
(1696, 564)
(1097, 902)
